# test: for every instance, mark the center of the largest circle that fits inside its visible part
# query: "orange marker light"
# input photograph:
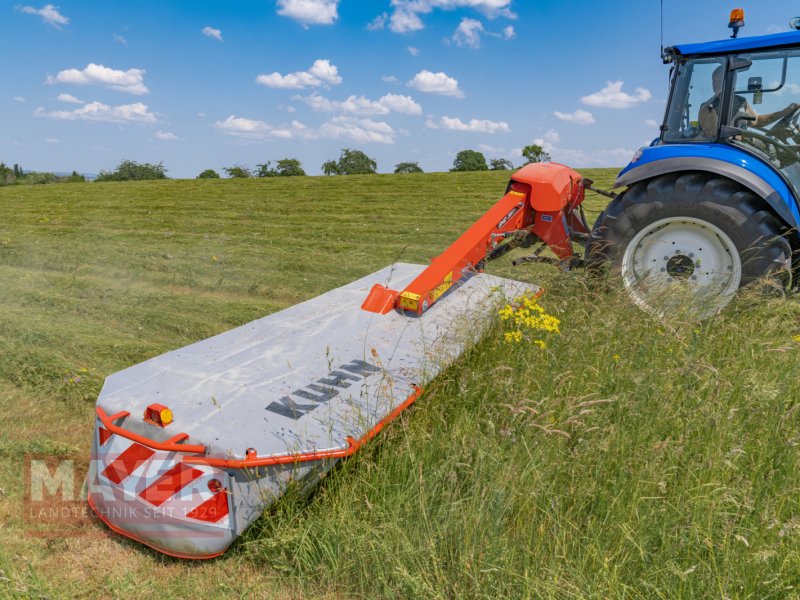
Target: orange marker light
(158, 414)
(736, 21)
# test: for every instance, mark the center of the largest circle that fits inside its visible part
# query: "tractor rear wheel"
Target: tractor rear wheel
(685, 242)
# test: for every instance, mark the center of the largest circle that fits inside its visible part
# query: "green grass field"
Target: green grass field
(629, 459)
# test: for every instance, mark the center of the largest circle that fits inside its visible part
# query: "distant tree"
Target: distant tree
(351, 162)
(289, 167)
(237, 172)
(75, 177)
(208, 174)
(500, 164)
(17, 171)
(330, 167)
(129, 170)
(469, 160)
(6, 174)
(408, 167)
(535, 154)
(264, 170)
(35, 178)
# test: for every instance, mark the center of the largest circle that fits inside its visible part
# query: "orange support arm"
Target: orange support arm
(511, 213)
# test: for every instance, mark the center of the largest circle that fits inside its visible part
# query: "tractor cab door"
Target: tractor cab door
(764, 108)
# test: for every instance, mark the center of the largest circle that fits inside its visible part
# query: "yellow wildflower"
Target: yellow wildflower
(616, 357)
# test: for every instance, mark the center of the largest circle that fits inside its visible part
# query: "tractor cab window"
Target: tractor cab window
(693, 89)
(765, 106)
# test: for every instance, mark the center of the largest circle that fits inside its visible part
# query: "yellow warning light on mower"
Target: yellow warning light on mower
(736, 21)
(158, 414)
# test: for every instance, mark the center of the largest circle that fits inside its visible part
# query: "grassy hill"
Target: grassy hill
(630, 458)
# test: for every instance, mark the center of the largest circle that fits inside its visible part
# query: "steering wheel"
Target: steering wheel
(788, 121)
(785, 153)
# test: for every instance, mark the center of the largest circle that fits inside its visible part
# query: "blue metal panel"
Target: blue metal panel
(729, 156)
(760, 42)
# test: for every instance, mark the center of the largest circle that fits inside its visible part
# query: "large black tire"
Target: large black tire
(697, 197)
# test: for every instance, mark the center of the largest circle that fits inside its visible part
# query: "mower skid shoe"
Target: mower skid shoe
(277, 400)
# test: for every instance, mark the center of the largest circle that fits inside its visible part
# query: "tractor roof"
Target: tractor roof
(761, 42)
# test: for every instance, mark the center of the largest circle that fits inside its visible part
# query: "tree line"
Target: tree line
(17, 176)
(350, 162)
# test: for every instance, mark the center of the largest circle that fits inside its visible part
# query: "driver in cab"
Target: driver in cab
(709, 110)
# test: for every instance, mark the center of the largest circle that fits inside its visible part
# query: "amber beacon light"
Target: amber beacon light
(736, 21)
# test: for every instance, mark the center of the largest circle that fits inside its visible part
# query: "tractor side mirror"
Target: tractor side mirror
(755, 86)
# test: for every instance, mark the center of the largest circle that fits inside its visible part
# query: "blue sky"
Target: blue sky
(207, 84)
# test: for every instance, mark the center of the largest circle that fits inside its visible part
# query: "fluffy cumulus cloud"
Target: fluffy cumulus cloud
(310, 12)
(580, 117)
(69, 98)
(390, 79)
(436, 83)
(406, 14)
(340, 127)
(468, 33)
(612, 96)
(130, 81)
(48, 13)
(473, 126)
(652, 123)
(165, 135)
(97, 111)
(212, 33)
(19, 99)
(378, 22)
(509, 33)
(359, 105)
(358, 130)
(322, 72)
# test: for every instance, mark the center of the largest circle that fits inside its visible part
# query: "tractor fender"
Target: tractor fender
(736, 165)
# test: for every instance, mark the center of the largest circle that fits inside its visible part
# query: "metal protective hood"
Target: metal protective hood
(309, 377)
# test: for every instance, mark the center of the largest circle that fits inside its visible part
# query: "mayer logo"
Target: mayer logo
(323, 390)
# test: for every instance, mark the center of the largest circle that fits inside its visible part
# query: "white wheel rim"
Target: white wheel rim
(681, 263)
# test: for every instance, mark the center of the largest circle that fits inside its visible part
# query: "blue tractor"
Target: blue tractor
(712, 204)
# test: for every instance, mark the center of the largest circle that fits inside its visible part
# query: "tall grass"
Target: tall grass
(629, 459)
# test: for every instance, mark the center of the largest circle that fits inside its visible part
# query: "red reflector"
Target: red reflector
(212, 510)
(215, 485)
(170, 483)
(104, 434)
(127, 462)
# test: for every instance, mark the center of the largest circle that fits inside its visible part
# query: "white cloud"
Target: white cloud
(51, 140)
(390, 79)
(579, 117)
(378, 22)
(120, 39)
(413, 51)
(165, 135)
(406, 15)
(359, 105)
(652, 123)
(509, 32)
(69, 98)
(19, 99)
(473, 126)
(612, 96)
(130, 81)
(468, 33)
(321, 72)
(358, 130)
(49, 14)
(97, 111)
(436, 83)
(310, 12)
(339, 127)
(212, 33)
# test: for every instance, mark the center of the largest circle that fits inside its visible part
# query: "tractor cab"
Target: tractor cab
(742, 92)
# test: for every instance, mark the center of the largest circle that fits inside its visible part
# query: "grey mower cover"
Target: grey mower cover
(279, 399)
